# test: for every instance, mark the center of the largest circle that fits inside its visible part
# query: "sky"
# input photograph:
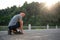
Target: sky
(8, 3)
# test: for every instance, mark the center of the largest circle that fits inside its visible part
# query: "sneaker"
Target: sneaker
(18, 32)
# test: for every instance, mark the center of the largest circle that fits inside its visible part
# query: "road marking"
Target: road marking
(35, 36)
(19, 39)
(41, 36)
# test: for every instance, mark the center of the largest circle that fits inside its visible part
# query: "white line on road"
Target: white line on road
(40, 36)
(35, 36)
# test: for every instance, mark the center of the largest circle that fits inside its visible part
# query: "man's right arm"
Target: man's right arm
(21, 25)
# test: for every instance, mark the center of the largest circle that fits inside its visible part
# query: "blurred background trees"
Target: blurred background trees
(36, 14)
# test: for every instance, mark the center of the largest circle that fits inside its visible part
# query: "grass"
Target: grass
(4, 28)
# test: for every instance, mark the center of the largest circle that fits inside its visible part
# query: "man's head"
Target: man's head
(22, 13)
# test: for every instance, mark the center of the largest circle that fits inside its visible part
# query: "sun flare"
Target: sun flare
(50, 3)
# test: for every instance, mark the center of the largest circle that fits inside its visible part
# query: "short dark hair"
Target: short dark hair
(22, 12)
(18, 12)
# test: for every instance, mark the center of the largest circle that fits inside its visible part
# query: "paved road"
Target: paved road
(50, 34)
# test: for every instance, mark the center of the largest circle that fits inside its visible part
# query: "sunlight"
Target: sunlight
(9, 3)
(50, 3)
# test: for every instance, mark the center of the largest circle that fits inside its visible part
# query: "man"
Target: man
(16, 23)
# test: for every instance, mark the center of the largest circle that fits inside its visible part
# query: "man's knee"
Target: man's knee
(10, 28)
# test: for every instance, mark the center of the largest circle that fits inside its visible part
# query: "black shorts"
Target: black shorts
(14, 27)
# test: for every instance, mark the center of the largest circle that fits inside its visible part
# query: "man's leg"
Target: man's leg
(14, 28)
(18, 31)
(10, 30)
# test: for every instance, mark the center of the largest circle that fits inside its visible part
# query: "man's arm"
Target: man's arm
(21, 26)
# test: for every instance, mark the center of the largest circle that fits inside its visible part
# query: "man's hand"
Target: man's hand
(21, 26)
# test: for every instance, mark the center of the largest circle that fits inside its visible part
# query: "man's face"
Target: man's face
(23, 14)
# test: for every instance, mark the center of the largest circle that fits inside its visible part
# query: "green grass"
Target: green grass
(4, 28)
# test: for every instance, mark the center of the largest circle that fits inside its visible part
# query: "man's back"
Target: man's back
(14, 20)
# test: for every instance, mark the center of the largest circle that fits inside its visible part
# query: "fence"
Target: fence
(29, 27)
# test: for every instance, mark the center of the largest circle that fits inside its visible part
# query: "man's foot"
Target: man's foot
(9, 32)
(18, 32)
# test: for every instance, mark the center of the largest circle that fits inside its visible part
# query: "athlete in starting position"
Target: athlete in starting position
(16, 24)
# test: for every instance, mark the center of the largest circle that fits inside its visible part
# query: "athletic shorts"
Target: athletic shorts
(14, 27)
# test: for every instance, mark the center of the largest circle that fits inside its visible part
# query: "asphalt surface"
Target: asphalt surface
(50, 34)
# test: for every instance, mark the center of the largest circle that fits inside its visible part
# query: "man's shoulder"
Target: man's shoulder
(18, 15)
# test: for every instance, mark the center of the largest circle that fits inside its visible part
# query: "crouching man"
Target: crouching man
(16, 24)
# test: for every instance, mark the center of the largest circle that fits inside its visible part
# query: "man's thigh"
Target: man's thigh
(15, 26)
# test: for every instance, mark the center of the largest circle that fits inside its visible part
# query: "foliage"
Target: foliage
(36, 14)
